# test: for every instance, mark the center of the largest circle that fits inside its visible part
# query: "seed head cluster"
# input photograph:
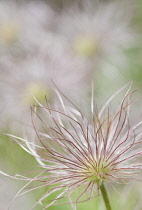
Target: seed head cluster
(78, 155)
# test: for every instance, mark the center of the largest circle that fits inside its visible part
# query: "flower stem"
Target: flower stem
(105, 197)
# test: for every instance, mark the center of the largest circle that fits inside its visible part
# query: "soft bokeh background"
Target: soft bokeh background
(70, 43)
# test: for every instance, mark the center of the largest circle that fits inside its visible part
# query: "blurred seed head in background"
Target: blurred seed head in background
(70, 47)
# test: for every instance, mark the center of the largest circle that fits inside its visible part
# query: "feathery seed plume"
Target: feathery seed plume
(76, 153)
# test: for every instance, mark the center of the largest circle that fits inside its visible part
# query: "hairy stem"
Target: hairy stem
(105, 197)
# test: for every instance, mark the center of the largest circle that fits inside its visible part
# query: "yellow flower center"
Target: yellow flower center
(8, 32)
(85, 46)
(97, 173)
(37, 91)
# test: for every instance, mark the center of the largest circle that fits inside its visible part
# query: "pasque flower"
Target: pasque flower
(91, 33)
(76, 153)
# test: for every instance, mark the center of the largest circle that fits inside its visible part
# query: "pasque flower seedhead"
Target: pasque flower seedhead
(76, 153)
